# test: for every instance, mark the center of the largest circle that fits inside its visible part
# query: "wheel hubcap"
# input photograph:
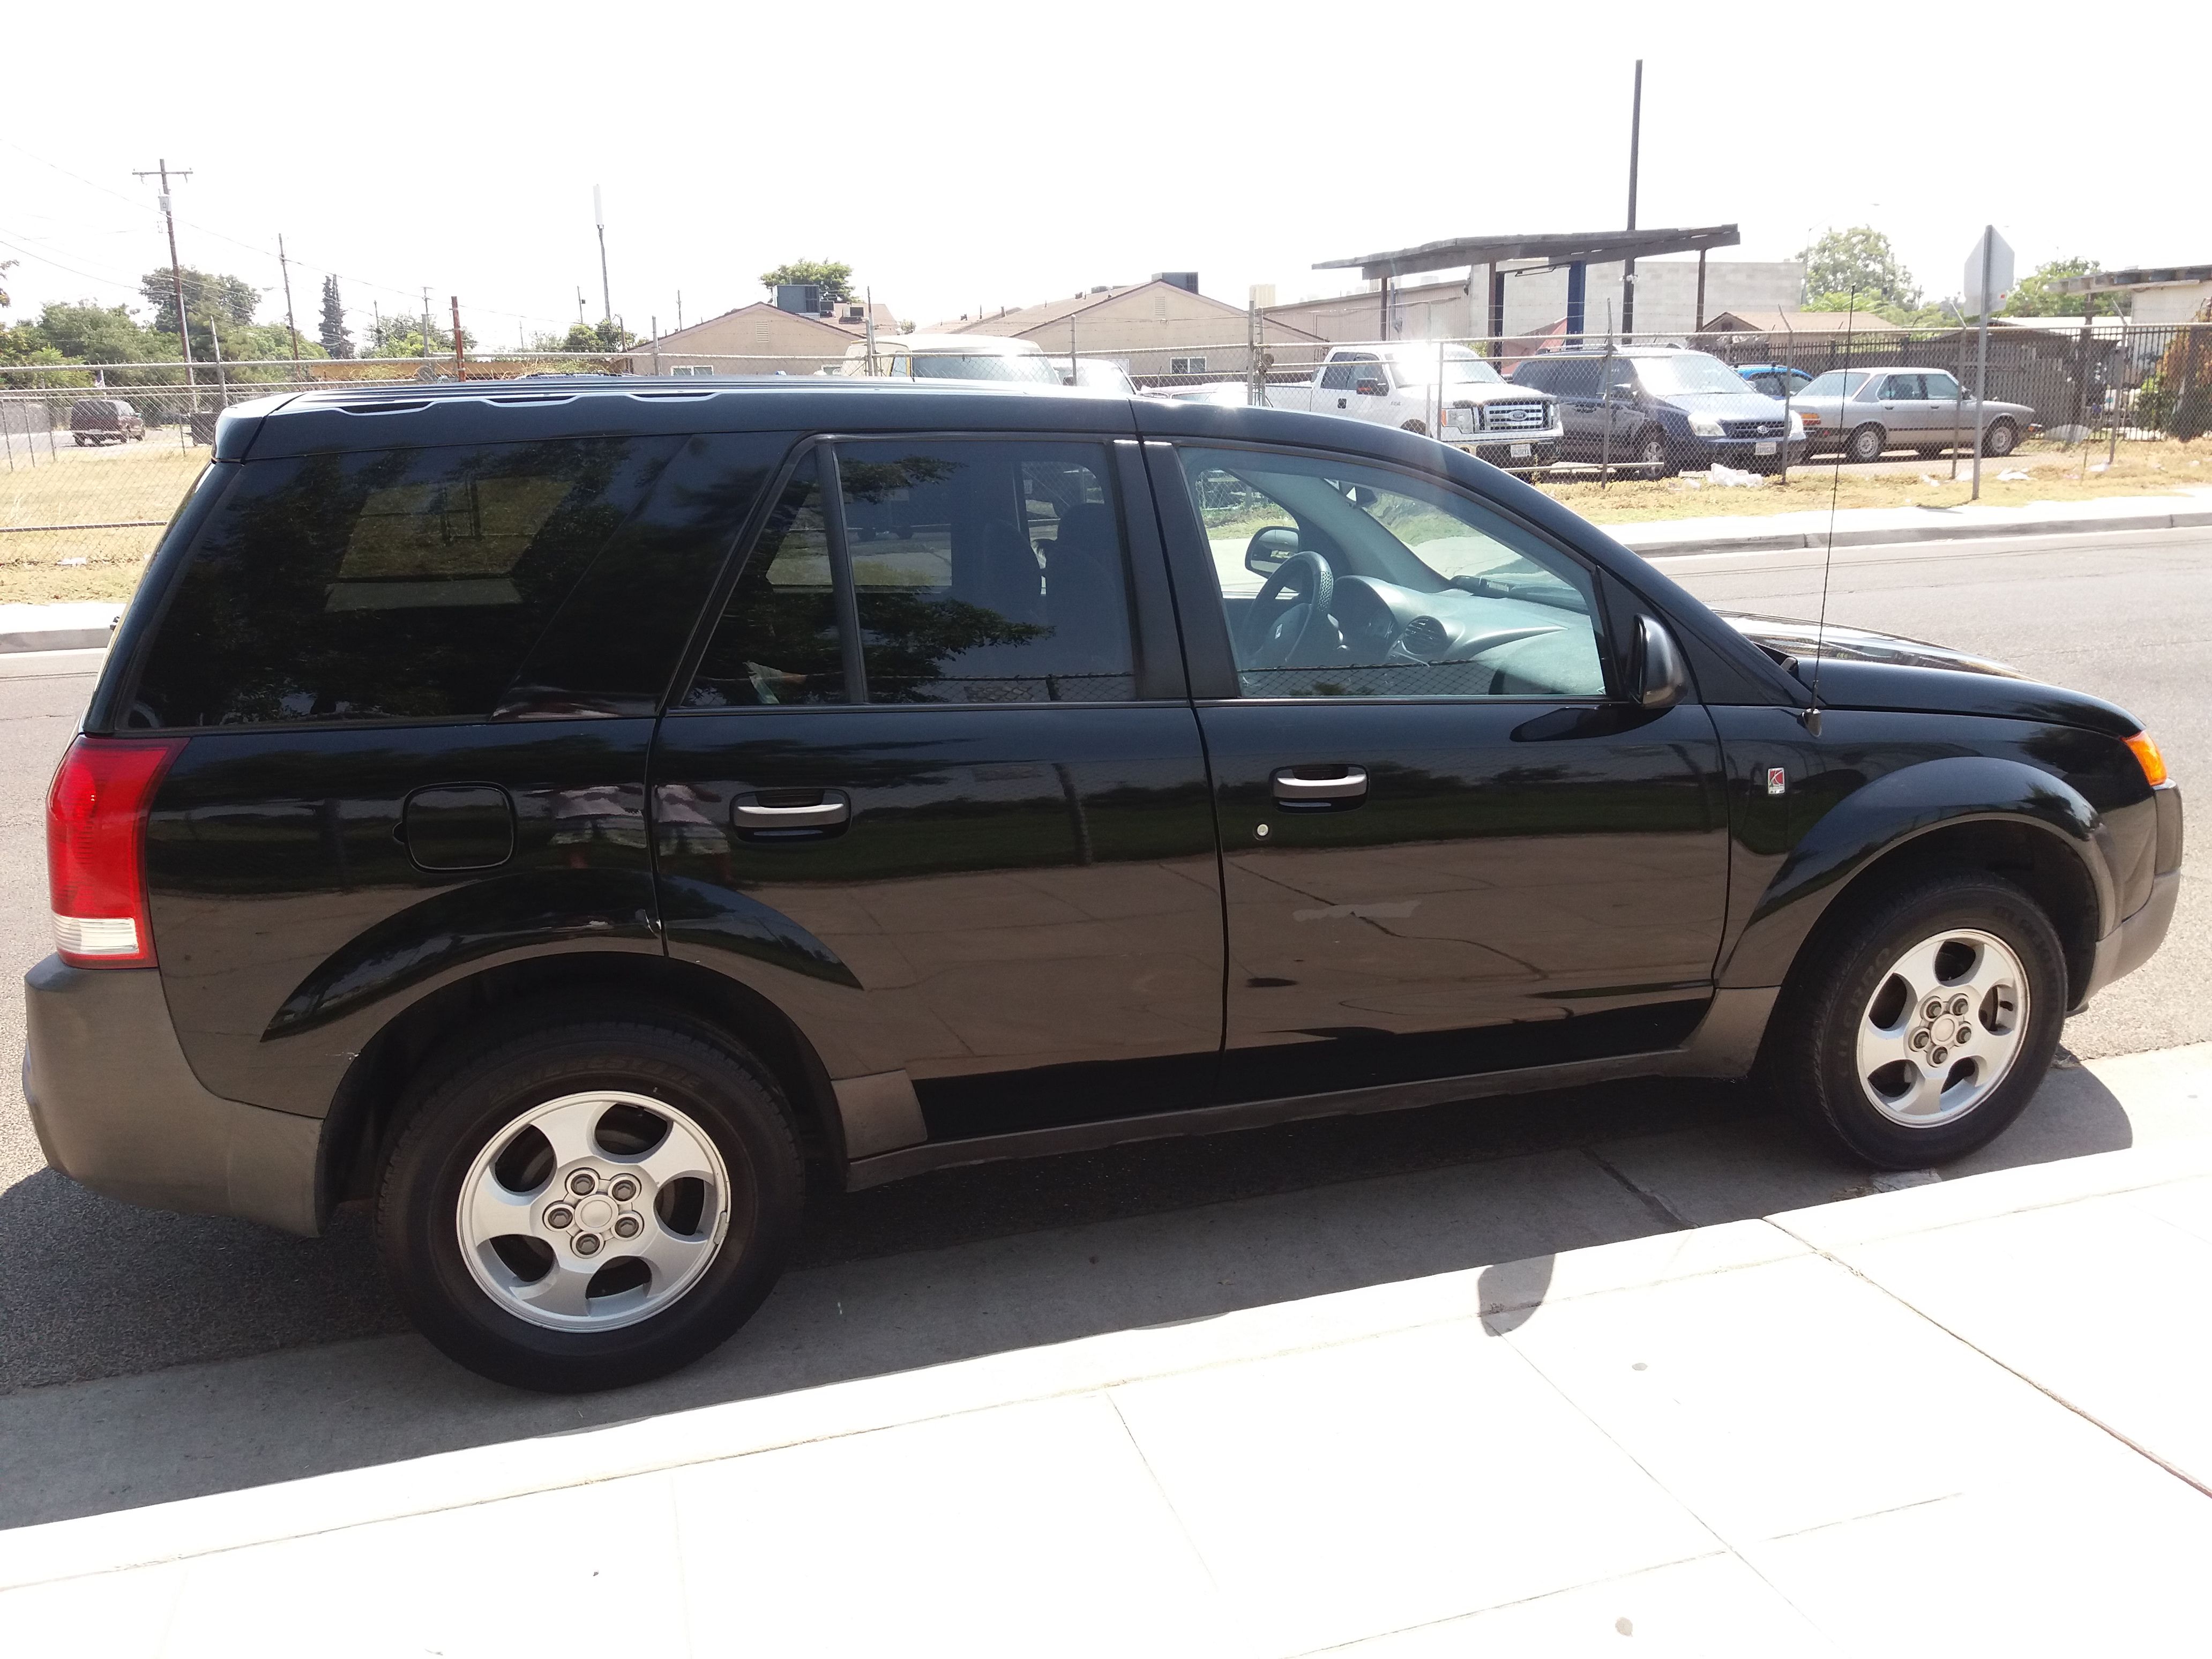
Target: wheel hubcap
(593, 1211)
(1942, 1028)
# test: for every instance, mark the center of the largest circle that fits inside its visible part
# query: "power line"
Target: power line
(251, 247)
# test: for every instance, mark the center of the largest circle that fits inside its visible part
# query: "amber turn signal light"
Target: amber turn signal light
(2146, 757)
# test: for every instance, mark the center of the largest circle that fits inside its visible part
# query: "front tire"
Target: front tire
(1918, 1030)
(1652, 451)
(2000, 440)
(590, 1204)
(1415, 428)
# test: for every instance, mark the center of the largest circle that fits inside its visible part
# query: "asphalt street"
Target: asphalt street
(92, 1289)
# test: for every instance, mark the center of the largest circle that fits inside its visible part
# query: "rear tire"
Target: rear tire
(680, 1138)
(1866, 444)
(1853, 1051)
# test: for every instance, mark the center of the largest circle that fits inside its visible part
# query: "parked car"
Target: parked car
(1663, 408)
(104, 421)
(1447, 392)
(1775, 380)
(951, 357)
(1863, 412)
(569, 826)
(1093, 375)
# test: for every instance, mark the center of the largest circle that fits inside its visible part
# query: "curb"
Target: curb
(56, 639)
(1936, 530)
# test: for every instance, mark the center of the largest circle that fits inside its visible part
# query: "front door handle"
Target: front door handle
(1347, 785)
(825, 812)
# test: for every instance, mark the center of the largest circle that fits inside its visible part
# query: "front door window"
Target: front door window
(1342, 581)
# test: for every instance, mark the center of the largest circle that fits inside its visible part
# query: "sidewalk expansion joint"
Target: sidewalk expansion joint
(1674, 1219)
(2045, 1389)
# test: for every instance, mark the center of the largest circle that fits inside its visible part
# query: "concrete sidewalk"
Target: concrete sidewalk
(1956, 1416)
(1887, 527)
(81, 625)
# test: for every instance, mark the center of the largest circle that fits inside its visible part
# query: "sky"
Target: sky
(961, 156)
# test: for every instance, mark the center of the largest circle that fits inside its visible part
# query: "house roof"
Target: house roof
(676, 339)
(1796, 322)
(1036, 316)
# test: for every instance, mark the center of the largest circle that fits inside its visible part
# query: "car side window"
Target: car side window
(982, 572)
(1941, 385)
(398, 584)
(1902, 387)
(1338, 579)
(778, 641)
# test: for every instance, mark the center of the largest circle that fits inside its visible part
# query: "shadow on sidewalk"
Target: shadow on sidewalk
(946, 1267)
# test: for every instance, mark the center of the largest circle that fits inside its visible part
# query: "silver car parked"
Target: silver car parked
(1865, 411)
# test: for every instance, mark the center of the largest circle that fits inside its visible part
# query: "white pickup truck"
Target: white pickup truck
(1447, 392)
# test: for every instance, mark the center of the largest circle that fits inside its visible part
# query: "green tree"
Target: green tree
(6, 266)
(229, 299)
(336, 341)
(835, 280)
(402, 337)
(88, 333)
(2032, 297)
(605, 335)
(1859, 261)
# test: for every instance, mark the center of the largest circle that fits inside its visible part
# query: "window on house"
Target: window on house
(688, 370)
(1186, 365)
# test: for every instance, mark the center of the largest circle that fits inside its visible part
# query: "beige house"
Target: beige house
(757, 339)
(1153, 329)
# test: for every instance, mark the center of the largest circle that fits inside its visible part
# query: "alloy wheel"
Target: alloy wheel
(594, 1211)
(1942, 1028)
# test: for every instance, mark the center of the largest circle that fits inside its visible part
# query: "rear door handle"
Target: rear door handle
(1349, 785)
(829, 811)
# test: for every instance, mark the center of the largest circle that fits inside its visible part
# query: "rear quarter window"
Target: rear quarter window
(402, 584)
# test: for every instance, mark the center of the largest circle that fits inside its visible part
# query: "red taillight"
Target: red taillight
(96, 849)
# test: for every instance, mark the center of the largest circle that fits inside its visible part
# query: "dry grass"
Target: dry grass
(2142, 469)
(72, 487)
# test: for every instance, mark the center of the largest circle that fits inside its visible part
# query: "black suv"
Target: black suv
(567, 815)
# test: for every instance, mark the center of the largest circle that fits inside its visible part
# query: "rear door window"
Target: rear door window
(982, 572)
(403, 583)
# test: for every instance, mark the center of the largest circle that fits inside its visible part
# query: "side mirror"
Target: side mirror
(1372, 389)
(1660, 680)
(1265, 553)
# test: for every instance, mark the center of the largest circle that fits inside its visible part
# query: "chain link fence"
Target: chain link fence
(96, 457)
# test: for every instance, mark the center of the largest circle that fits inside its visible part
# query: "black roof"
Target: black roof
(336, 417)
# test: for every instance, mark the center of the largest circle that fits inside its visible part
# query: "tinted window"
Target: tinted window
(982, 572)
(390, 585)
(1430, 594)
(777, 642)
(987, 572)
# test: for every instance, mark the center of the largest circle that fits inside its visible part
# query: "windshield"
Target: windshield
(1692, 375)
(1461, 366)
(1835, 383)
(1034, 371)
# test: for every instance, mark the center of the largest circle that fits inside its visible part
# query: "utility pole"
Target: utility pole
(426, 324)
(160, 169)
(460, 372)
(285, 266)
(579, 304)
(599, 218)
(1628, 265)
(679, 311)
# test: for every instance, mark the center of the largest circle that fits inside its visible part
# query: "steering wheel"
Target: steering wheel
(1271, 643)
